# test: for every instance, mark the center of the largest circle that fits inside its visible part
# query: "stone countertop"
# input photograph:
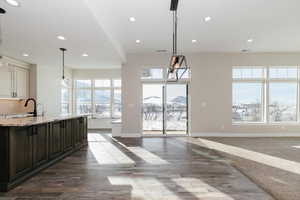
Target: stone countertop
(29, 121)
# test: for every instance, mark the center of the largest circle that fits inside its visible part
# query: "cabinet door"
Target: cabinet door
(68, 139)
(40, 144)
(56, 139)
(4, 157)
(21, 82)
(20, 151)
(76, 132)
(6, 82)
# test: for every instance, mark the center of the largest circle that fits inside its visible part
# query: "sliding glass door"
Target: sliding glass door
(153, 109)
(176, 112)
(165, 109)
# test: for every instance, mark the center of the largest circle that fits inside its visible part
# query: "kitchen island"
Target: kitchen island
(29, 145)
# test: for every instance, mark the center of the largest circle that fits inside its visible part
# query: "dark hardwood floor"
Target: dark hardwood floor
(139, 169)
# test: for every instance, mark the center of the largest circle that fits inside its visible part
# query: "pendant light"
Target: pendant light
(63, 62)
(2, 12)
(178, 62)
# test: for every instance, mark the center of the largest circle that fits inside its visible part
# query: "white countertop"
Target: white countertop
(29, 121)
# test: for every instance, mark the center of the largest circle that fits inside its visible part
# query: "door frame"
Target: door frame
(164, 96)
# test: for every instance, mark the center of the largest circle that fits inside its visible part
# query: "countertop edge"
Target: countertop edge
(31, 121)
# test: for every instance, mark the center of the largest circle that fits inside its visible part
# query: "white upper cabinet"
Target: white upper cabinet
(14, 80)
(6, 81)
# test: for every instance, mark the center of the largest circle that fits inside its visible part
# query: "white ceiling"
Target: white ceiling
(33, 28)
(273, 24)
(101, 28)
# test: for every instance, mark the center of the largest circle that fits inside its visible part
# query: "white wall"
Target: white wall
(49, 88)
(33, 81)
(211, 83)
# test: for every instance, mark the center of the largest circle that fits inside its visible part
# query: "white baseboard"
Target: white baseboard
(245, 134)
(130, 135)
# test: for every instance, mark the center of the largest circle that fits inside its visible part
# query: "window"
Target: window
(83, 96)
(117, 83)
(66, 94)
(248, 73)
(247, 102)
(117, 108)
(117, 99)
(283, 92)
(83, 83)
(103, 103)
(84, 101)
(160, 74)
(283, 102)
(184, 74)
(98, 97)
(153, 73)
(265, 94)
(283, 73)
(102, 83)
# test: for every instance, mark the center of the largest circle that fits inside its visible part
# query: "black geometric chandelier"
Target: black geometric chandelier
(178, 64)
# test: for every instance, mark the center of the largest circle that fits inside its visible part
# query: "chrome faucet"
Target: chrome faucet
(34, 108)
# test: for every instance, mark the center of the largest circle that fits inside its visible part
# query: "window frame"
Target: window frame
(266, 80)
(93, 89)
(283, 80)
(102, 88)
(82, 88)
(114, 88)
(69, 89)
(263, 92)
(164, 76)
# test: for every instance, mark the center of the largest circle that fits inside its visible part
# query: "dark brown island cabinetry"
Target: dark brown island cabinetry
(26, 150)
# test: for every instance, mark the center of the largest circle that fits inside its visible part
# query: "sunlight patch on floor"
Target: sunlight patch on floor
(96, 137)
(200, 189)
(144, 188)
(170, 188)
(147, 156)
(144, 154)
(287, 165)
(297, 147)
(107, 154)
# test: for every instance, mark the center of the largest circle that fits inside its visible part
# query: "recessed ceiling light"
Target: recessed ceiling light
(138, 41)
(25, 54)
(85, 55)
(250, 40)
(194, 41)
(208, 18)
(60, 37)
(245, 50)
(13, 3)
(132, 19)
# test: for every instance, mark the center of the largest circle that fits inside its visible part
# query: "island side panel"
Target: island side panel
(4, 158)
